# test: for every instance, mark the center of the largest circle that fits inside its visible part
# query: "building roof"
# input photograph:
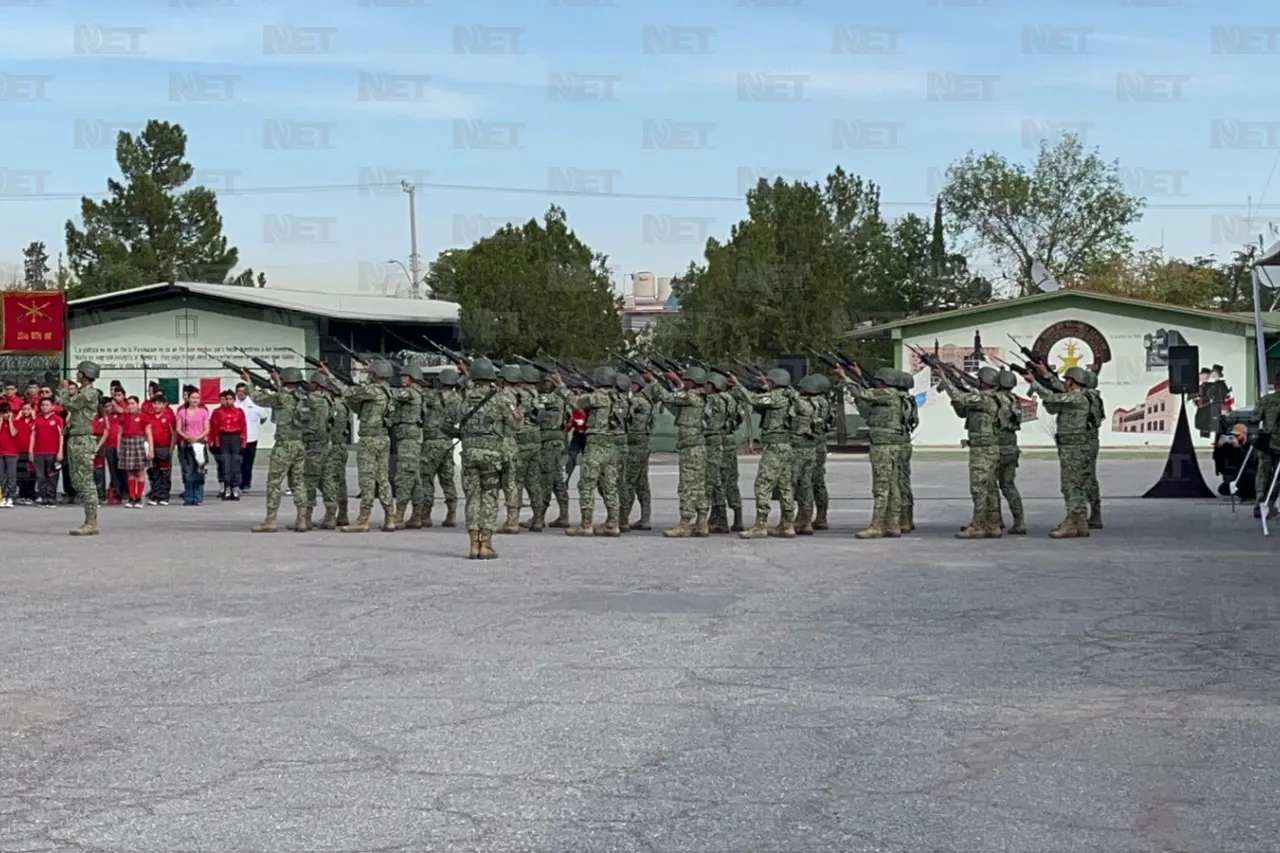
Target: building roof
(359, 307)
(1040, 302)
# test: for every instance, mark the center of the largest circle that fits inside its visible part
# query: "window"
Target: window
(185, 326)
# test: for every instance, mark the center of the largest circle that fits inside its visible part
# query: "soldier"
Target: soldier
(776, 467)
(1072, 406)
(551, 415)
(1268, 412)
(528, 447)
(1008, 425)
(512, 489)
(979, 409)
(488, 417)
(314, 415)
(635, 480)
(823, 417)
(804, 443)
(1097, 416)
(688, 404)
(333, 481)
(406, 432)
(371, 401)
(80, 404)
(288, 457)
(736, 413)
(599, 465)
(881, 407)
(440, 407)
(911, 419)
(715, 416)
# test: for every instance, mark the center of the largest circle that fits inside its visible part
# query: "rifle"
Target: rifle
(626, 362)
(258, 381)
(950, 372)
(341, 375)
(1023, 370)
(261, 362)
(1031, 357)
(452, 355)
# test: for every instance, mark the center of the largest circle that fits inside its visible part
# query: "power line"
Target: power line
(363, 188)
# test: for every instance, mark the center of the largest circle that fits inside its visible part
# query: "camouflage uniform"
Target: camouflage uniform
(1072, 409)
(605, 436)
(512, 488)
(804, 444)
(314, 425)
(440, 408)
(1097, 417)
(550, 413)
(776, 466)
(489, 420)
(288, 456)
(735, 412)
(1268, 411)
(715, 416)
(528, 449)
(822, 417)
(689, 407)
(1008, 424)
(979, 410)
(372, 402)
(80, 408)
(635, 481)
(406, 432)
(882, 409)
(911, 420)
(333, 483)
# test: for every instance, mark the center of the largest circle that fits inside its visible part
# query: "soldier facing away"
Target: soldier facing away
(1071, 405)
(333, 480)
(911, 420)
(440, 409)
(687, 401)
(714, 415)
(804, 428)
(552, 415)
(512, 489)
(775, 469)
(1008, 425)
(314, 426)
(823, 417)
(81, 405)
(488, 417)
(289, 454)
(599, 458)
(979, 410)
(406, 431)
(635, 470)
(528, 447)
(372, 401)
(1097, 417)
(882, 409)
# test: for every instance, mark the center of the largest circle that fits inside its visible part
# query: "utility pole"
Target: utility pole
(414, 271)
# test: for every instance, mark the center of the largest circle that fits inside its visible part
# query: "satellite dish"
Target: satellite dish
(1045, 283)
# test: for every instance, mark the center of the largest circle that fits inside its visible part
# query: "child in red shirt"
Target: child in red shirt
(8, 455)
(46, 452)
(24, 423)
(164, 431)
(228, 434)
(134, 453)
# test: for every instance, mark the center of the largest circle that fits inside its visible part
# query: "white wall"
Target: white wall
(1133, 381)
(186, 344)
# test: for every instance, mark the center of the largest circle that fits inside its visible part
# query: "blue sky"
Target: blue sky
(662, 108)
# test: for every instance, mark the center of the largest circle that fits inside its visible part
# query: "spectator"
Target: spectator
(193, 436)
(12, 398)
(256, 416)
(1229, 456)
(164, 431)
(46, 393)
(46, 453)
(25, 423)
(110, 453)
(8, 454)
(101, 426)
(228, 433)
(135, 453)
(33, 395)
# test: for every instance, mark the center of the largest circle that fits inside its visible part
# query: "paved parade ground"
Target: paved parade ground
(178, 684)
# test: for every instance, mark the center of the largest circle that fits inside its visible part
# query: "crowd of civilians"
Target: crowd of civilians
(138, 443)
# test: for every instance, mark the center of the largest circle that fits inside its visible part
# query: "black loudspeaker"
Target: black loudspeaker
(796, 365)
(1184, 370)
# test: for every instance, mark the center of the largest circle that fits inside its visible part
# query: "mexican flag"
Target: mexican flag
(210, 389)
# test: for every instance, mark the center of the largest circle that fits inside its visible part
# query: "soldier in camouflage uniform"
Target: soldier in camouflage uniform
(549, 415)
(314, 428)
(1008, 425)
(372, 402)
(509, 377)
(979, 410)
(605, 437)
(528, 473)
(1071, 405)
(1267, 446)
(488, 416)
(804, 444)
(881, 406)
(776, 468)
(714, 418)
(406, 432)
(823, 416)
(736, 413)
(911, 419)
(288, 456)
(1097, 417)
(333, 482)
(635, 481)
(80, 405)
(439, 410)
(689, 405)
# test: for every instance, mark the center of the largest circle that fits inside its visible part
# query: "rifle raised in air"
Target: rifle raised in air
(258, 381)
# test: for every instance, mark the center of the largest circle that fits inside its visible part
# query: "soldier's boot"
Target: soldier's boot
(539, 521)
(450, 514)
(1019, 525)
(893, 526)
(611, 525)
(875, 530)
(1095, 516)
(512, 524)
(1068, 529)
(702, 525)
(977, 528)
(402, 514)
(973, 522)
(303, 524)
(682, 530)
(786, 528)
(995, 525)
(361, 524)
(414, 521)
(486, 546)
(330, 520)
(585, 526)
(268, 524)
(474, 536)
(90, 525)
(804, 522)
(737, 527)
(908, 522)
(820, 519)
(390, 515)
(719, 520)
(425, 516)
(624, 522)
(342, 520)
(562, 520)
(643, 523)
(1082, 524)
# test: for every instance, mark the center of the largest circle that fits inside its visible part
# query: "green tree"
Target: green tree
(1068, 211)
(532, 288)
(150, 227)
(35, 266)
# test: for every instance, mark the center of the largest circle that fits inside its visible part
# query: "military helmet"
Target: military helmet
(602, 377)
(822, 383)
(694, 374)
(1008, 380)
(779, 377)
(719, 382)
(887, 375)
(449, 377)
(291, 376)
(1090, 379)
(807, 384)
(382, 369)
(481, 370)
(529, 373)
(511, 374)
(88, 369)
(989, 376)
(906, 380)
(637, 379)
(1077, 375)
(317, 378)
(622, 382)
(413, 371)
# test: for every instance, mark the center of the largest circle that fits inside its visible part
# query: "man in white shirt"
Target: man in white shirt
(255, 416)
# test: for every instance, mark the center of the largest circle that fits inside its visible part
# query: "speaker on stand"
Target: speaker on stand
(1182, 477)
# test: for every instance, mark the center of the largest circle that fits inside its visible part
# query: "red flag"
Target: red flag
(210, 391)
(33, 321)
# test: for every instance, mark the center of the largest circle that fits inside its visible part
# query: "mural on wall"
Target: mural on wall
(1157, 345)
(969, 358)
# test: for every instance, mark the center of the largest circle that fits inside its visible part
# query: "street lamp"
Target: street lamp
(412, 283)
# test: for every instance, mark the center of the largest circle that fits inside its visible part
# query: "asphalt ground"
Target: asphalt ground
(178, 684)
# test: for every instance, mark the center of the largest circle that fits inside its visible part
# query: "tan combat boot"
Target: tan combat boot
(682, 530)
(474, 536)
(361, 524)
(994, 528)
(759, 530)
(701, 525)
(820, 519)
(413, 521)
(643, 523)
(1095, 516)
(512, 524)
(1082, 525)
(893, 525)
(342, 520)
(736, 527)
(390, 515)
(719, 520)
(908, 522)
(330, 520)
(268, 524)
(1019, 527)
(586, 526)
(624, 523)
(562, 520)
(90, 525)
(977, 528)
(304, 523)
(1068, 529)
(425, 517)
(804, 522)
(486, 546)
(539, 521)
(786, 528)
(611, 526)
(450, 514)
(875, 530)
(973, 522)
